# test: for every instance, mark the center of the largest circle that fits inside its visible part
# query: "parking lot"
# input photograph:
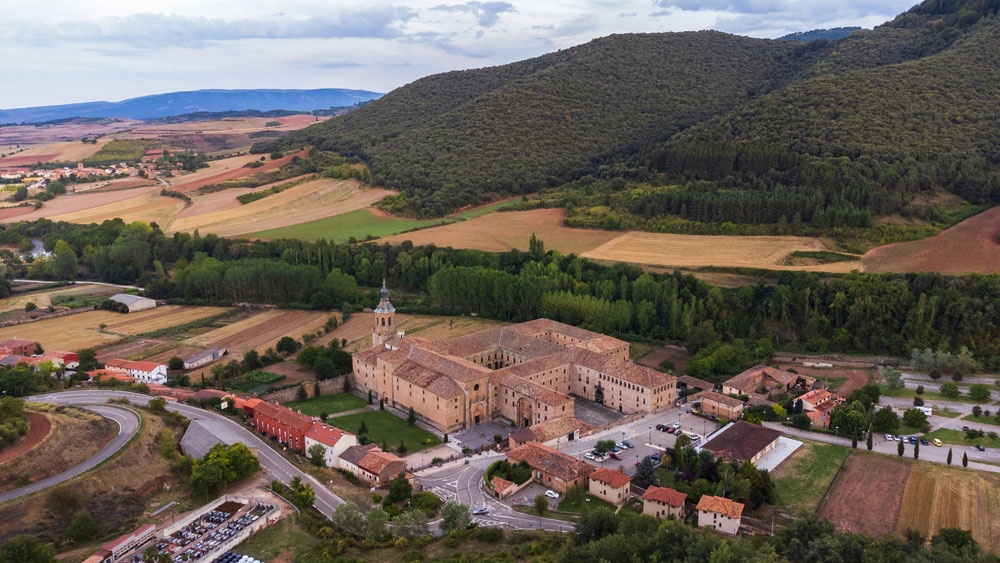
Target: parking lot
(201, 537)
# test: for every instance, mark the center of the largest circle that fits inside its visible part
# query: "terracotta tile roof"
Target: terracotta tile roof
(210, 394)
(551, 429)
(325, 434)
(626, 370)
(501, 485)
(741, 441)
(252, 403)
(541, 393)
(375, 462)
(759, 375)
(284, 416)
(548, 460)
(355, 454)
(17, 343)
(616, 479)
(130, 365)
(721, 399)
(666, 495)
(689, 381)
(720, 505)
(816, 396)
(434, 382)
(456, 368)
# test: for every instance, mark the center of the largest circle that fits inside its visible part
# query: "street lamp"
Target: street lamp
(649, 440)
(836, 431)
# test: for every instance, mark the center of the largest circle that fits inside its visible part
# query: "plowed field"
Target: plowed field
(261, 331)
(867, 494)
(159, 318)
(945, 497)
(970, 246)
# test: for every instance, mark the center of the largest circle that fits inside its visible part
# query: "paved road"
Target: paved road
(274, 464)
(128, 425)
(461, 482)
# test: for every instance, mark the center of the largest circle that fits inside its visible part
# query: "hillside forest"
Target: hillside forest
(858, 137)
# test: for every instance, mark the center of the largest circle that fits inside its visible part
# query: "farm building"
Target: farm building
(551, 468)
(721, 406)
(742, 441)
(524, 373)
(146, 372)
(610, 485)
(766, 382)
(663, 502)
(204, 357)
(19, 346)
(133, 302)
(369, 463)
(333, 440)
(720, 513)
(202, 435)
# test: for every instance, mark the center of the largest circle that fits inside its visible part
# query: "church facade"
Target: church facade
(524, 373)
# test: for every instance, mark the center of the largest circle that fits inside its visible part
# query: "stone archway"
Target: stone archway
(478, 413)
(599, 394)
(524, 411)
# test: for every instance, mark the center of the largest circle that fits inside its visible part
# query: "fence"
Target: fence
(826, 493)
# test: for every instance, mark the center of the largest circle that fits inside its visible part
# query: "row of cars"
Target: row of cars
(615, 452)
(912, 440)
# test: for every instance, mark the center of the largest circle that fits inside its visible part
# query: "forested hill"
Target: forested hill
(461, 137)
(723, 128)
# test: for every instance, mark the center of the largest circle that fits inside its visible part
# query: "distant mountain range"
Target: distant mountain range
(180, 103)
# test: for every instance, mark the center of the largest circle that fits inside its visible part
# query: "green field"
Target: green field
(283, 537)
(329, 404)
(359, 224)
(957, 437)
(930, 395)
(588, 502)
(387, 427)
(802, 480)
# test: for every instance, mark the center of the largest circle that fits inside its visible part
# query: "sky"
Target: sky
(68, 51)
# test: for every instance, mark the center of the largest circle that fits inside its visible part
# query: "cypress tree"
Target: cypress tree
(965, 459)
(916, 450)
(870, 442)
(949, 456)
(900, 449)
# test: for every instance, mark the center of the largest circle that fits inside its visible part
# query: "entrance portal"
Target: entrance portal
(599, 395)
(524, 411)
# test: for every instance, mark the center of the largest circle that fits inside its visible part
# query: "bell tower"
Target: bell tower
(384, 319)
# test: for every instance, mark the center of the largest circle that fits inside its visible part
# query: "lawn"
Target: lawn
(384, 426)
(587, 502)
(802, 479)
(929, 395)
(359, 224)
(982, 419)
(330, 404)
(834, 383)
(949, 436)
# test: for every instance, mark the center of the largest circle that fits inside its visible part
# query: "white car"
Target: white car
(621, 445)
(551, 494)
(480, 511)
(890, 437)
(590, 456)
(675, 425)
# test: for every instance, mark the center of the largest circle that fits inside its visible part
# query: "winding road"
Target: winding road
(273, 463)
(128, 425)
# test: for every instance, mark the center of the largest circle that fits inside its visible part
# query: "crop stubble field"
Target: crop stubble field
(44, 298)
(950, 497)
(867, 494)
(261, 331)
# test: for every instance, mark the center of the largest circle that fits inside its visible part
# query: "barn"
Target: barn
(133, 302)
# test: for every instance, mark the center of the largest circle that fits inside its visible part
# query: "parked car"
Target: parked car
(889, 437)
(590, 456)
(675, 425)
(937, 442)
(551, 494)
(964, 428)
(924, 442)
(695, 438)
(616, 456)
(981, 447)
(662, 427)
(616, 449)
(480, 511)
(656, 457)
(622, 446)
(627, 444)
(913, 439)
(899, 438)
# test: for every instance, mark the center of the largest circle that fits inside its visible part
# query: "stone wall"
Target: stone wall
(326, 387)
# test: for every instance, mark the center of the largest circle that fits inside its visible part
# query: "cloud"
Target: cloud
(149, 30)
(486, 13)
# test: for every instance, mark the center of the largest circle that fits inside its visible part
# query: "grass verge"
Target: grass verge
(958, 437)
(284, 537)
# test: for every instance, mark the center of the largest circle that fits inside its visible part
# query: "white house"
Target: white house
(720, 513)
(204, 357)
(146, 372)
(333, 440)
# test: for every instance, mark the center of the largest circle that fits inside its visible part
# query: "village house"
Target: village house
(145, 372)
(283, 424)
(560, 430)
(333, 440)
(610, 485)
(663, 503)
(720, 513)
(370, 464)
(814, 398)
(524, 373)
(19, 346)
(742, 441)
(551, 468)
